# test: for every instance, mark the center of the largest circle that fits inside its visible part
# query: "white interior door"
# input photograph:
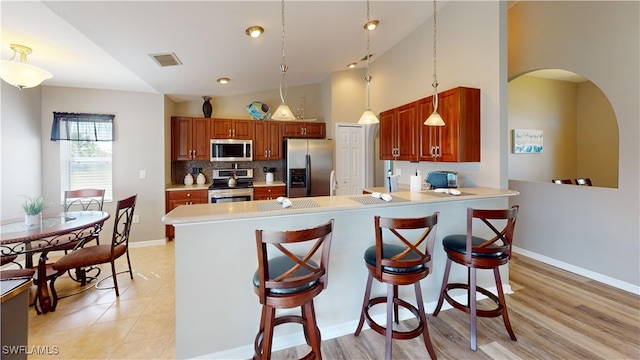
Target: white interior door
(350, 159)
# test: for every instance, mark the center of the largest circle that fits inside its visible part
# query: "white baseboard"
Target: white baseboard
(139, 244)
(622, 285)
(338, 330)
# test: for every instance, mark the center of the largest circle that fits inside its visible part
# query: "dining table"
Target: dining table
(16, 238)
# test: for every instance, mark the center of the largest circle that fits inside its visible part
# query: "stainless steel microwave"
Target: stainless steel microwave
(231, 150)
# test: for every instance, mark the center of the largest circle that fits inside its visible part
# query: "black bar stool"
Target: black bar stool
(479, 253)
(395, 264)
(288, 280)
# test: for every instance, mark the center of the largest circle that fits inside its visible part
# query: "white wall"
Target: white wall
(595, 229)
(469, 54)
(139, 144)
(20, 173)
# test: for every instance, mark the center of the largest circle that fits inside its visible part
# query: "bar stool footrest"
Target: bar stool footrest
(395, 334)
(479, 312)
(257, 344)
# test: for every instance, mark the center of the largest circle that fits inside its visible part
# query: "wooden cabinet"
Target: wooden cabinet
(175, 198)
(232, 129)
(268, 192)
(403, 136)
(267, 142)
(302, 129)
(398, 133)
(459, 139)
(190, 138)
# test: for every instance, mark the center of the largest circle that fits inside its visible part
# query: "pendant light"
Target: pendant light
(19, 73)
(368, 117)
(283, 112)
(434, 119)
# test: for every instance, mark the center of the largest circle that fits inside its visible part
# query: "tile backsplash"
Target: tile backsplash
(180, 168)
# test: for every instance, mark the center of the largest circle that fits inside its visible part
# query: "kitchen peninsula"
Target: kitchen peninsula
(217, 311)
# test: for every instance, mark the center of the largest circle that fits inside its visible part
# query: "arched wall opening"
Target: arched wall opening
(573, 121)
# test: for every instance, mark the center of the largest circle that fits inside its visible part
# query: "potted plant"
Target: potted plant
(33, 208)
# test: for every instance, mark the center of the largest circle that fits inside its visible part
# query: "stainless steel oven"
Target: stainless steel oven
(224, 189)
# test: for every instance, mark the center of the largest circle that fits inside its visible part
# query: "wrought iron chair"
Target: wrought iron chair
(101, 254)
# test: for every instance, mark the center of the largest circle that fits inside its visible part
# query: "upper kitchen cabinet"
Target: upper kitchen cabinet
(459, 139)
(190, 138)
(232, 129)
(398, 133)
(267, 143)
(303, 129)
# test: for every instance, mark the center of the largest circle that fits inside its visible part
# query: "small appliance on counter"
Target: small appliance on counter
(442, 179)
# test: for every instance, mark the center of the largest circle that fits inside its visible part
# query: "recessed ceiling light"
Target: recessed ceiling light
(371, 25)
(254, 31)
(352, 65)
(223, 80)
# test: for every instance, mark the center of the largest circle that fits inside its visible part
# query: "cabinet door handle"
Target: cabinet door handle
(233, 132)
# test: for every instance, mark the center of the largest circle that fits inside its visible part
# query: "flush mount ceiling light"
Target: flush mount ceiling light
(283, 112)
(19, 73)
(434, 119)
(371, 24)
(254, 31)
(352, 65)
(368, 117)
(223, 80)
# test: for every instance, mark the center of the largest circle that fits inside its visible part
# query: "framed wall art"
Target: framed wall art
(527, 141)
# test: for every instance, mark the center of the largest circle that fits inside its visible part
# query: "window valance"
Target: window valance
(82, 127)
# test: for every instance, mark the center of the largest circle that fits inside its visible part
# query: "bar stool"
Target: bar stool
(401, 263)
(479, 253)
(286, 280)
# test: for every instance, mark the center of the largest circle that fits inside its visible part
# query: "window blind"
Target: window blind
(82, 127)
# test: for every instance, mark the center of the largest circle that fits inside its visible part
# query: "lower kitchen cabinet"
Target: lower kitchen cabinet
(175, 198)
(268, 192)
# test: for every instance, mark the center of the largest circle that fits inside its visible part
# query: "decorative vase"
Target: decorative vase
(33, 220)
(188, 179)
(207, 108)
(200, 179)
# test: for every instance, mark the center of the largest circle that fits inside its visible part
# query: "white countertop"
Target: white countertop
(198, 213)
(182, 187)
(264, 183)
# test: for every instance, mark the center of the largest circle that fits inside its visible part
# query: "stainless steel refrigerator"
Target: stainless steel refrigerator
(308, 164)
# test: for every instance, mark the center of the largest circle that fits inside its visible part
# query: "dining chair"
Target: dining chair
(14, 273)
(80, 200)
(562, 181)
(584, 181)
(82, 257)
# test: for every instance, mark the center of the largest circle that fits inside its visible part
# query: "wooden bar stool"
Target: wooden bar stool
(479, 253)
(286, 280)
(400, 263)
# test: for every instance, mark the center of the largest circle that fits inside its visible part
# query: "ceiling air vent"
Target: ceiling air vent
(168, 59)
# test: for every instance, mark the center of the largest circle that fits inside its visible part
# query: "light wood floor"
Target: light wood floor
(555, 314)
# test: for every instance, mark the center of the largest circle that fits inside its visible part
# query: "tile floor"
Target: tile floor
(98, 325)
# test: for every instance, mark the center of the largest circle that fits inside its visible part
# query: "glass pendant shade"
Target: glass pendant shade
(368, 117)
(19, 73)
(434, 120)
(283, 112)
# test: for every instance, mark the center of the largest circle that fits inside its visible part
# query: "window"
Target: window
(85, 151)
